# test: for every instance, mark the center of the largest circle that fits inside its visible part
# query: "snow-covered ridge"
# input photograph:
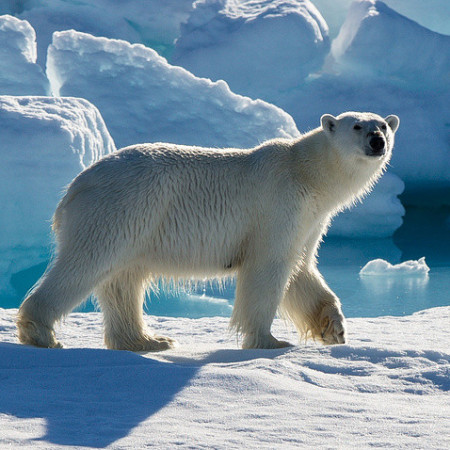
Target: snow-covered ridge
(387, 388)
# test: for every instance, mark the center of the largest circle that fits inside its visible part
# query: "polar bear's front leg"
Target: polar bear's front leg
(259, 290)
(314, 308)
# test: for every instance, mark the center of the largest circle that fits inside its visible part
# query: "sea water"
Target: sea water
(340, 261)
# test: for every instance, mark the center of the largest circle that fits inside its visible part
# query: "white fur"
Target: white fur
(163, 210)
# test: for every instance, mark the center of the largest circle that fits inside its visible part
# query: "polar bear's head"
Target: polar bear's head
(364, 135)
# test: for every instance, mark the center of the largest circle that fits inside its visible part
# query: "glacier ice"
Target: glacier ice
(145, 99)
(45, 143)
(19, 73)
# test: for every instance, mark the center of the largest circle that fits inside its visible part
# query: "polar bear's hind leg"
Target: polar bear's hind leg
(121, 299)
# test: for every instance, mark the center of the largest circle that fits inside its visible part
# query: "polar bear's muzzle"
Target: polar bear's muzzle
(377, 145)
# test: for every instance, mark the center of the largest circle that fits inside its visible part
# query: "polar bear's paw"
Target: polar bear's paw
(333, 328)
(252, 340)
(31, 332)
(145, 343)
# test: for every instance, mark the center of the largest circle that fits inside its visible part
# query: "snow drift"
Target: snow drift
(387, 388)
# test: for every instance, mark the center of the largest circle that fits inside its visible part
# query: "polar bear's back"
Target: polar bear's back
(175, 204)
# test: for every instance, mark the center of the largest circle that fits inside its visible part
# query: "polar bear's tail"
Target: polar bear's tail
(78, 185)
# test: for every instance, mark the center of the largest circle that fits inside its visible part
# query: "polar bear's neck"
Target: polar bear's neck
(333, 180)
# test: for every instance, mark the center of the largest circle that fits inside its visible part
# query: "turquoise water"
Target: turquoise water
(340, 260)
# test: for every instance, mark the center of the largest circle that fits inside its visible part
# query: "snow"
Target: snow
(249, 44)
(19, 73)
(388, 387)
(144, 99)
(380, 267)
(45, 143)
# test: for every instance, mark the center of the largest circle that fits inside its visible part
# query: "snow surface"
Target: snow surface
(19, 73)
(144, 99)
(388, 387)
(406, 268)
(45, 143)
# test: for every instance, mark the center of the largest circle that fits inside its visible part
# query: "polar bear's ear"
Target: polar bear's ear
(328, 122)
(393, 121)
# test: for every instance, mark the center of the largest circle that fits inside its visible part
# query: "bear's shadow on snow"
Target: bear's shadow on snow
(94, 397)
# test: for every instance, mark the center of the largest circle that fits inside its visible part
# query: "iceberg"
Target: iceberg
(145, 99)
(45, 143)
(378, 267)
(432, 16)
(259, 48)
(400, 49)
(153, 23)
(19, 73)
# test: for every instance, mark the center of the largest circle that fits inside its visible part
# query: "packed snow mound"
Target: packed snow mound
(400, 49)
(377, 216)
(260, 48)
(19, 73)
(153, 23)
(407, 268)
(45, 143)
(144, 99)
(387, 388)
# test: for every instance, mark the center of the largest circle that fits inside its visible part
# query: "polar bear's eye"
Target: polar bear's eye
(383, 127)
(357, 127)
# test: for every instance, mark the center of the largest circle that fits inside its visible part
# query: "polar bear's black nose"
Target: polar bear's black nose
(377, 145)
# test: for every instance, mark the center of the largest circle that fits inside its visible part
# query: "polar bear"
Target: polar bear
(182, 212)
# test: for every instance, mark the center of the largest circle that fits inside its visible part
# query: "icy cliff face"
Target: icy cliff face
(45, 143)
(144, 99)
(260, 48)
(19, 73)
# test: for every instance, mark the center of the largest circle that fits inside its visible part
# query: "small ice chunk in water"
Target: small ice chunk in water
(407, 268)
